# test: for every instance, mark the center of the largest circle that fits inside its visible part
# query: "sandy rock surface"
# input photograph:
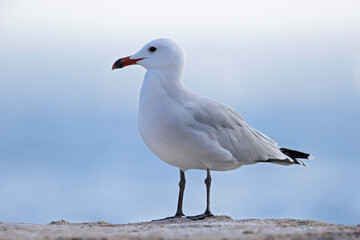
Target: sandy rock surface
(219, 227)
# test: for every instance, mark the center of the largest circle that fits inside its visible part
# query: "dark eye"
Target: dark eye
(152, 49)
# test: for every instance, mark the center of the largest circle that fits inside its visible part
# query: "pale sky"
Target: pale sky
(183, 13)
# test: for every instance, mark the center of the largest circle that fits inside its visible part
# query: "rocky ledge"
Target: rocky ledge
(218, 227)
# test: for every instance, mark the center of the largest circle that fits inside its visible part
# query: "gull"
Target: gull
(192, 132)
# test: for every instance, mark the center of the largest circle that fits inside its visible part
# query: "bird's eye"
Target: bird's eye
(152, 49)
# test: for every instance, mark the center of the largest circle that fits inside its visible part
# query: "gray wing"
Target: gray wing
(229, 129)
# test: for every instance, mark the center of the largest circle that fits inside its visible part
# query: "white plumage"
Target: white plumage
(189, 131)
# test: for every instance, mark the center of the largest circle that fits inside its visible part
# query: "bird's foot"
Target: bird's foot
(201, 216)
(177, 216)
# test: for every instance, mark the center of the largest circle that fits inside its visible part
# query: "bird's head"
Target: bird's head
(160, 53)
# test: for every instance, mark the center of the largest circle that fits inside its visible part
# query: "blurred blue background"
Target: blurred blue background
(69, 143)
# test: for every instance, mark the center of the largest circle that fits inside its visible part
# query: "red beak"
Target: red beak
(123, 62)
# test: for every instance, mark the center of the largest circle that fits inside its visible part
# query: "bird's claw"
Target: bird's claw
(177, 216)
(201, 216)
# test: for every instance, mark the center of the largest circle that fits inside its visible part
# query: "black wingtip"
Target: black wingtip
(294, 154)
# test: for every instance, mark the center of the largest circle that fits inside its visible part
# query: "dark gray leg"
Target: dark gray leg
(207, 212)
(179, 213)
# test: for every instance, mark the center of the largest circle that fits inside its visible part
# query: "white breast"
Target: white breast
(163, 124)
(159, 126)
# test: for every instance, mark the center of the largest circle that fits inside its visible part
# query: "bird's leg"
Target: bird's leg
(179, 213)
(208, 184)
(207, 212)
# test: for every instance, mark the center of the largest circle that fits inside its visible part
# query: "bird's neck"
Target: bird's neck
(167, 79)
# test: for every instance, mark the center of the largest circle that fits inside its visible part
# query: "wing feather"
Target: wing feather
(229, 129)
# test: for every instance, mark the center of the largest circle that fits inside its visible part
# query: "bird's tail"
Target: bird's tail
(296, 154)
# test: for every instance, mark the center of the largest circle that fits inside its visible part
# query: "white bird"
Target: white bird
(192, 132)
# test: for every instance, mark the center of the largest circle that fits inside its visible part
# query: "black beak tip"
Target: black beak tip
(117, 64)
